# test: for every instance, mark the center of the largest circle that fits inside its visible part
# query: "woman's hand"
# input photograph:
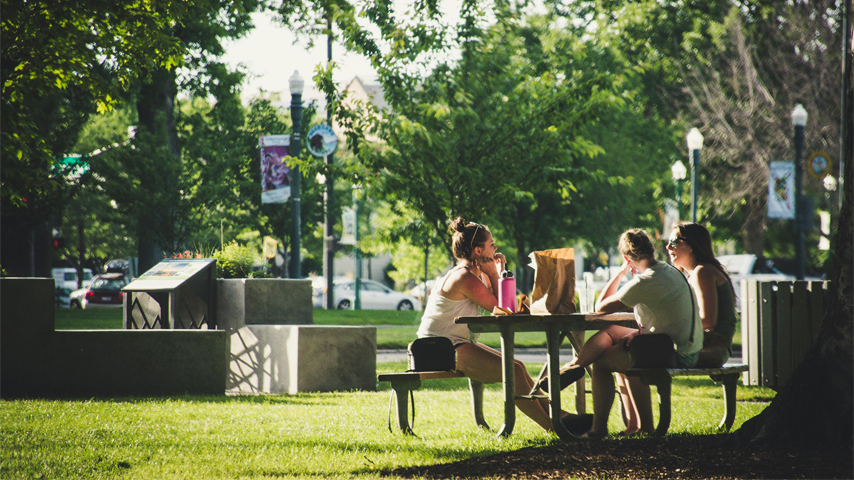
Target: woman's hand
(490, 265)
(627, 340)
(628, 267)
(500, 262)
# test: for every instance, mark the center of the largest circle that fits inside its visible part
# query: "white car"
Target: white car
(374, 296)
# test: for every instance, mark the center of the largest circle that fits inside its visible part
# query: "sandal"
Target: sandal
(568, 375)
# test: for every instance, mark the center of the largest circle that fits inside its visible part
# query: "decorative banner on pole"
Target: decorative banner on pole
(348, 222)
(275, 175)
(322, 140)
(781, 190)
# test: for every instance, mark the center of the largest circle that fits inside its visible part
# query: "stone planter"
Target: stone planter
(263, 301)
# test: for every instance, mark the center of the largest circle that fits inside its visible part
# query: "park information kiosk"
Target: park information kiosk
(174, 294)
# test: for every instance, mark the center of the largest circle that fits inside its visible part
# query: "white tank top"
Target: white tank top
(439, 315)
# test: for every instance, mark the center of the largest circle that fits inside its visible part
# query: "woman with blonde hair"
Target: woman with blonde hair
(663, 303)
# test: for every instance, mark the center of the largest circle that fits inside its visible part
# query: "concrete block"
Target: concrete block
(36, 360)
(138, 362)
(263, 301)
(293, 359)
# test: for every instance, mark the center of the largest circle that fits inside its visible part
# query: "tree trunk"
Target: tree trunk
(753, 229)
(156, 111)
(815, 406)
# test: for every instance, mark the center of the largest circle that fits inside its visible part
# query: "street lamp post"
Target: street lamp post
(358, 266)
(679, 171)
(799, 120)
(296, 84)
(695, 144)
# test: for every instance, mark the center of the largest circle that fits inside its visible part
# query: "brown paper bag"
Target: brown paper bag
(554, 281)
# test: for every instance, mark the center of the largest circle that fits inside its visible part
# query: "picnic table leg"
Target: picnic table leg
(476, 389)
(553, 341)
(508, 377)
(662, 383)
(729, 385)
(576, 339)
(401, 391)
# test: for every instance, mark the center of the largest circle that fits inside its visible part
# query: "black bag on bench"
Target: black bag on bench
(652, 350)
(432, 354)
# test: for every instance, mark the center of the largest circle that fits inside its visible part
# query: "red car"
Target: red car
(105, 291)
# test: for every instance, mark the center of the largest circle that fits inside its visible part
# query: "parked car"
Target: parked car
(67, 277)
(105, 291)
(374, 295)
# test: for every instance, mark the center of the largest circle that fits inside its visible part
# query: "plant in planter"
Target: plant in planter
(236, 261)
(247, 297)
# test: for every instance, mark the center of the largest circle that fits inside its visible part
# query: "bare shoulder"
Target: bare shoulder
(708, 274)
(460, 282)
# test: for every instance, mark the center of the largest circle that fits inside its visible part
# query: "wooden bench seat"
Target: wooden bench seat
(404, 383)
(662, 379)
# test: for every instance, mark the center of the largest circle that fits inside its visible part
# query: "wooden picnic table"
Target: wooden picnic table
(553, 326)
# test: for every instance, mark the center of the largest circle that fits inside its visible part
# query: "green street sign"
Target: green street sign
(70, 166)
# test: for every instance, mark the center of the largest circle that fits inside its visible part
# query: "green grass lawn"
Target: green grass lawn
(321, 435)
(401, 331)
(309, 435)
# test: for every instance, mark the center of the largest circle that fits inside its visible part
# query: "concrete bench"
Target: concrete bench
(662, 379)
(404, 383)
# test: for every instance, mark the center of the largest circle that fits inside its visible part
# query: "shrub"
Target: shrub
(235, 261)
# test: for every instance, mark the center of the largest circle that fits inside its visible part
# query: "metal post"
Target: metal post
(800, 272)
(296, 117)
(679, 199)
(329, 226)
(695, 163)
(358, 302)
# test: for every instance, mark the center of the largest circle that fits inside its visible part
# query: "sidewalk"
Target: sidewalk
(526, 355)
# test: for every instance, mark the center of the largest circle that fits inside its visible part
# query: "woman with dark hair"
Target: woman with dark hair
(471, 284)
(663, 303)
(690, 249)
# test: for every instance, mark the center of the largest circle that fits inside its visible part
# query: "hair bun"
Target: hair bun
(458, 225)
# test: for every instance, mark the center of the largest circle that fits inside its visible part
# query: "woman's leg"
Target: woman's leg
(629, 407)
(595, 347)
(484, 364)
(614, 359)
(643, 404)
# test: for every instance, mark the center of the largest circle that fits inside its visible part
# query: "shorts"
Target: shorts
(686, 361)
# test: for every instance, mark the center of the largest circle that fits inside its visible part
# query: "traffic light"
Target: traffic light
(58, 243)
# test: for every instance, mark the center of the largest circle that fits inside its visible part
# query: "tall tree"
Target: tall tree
(59, 63)
(478, 136)
(815, 406)
(736, 69)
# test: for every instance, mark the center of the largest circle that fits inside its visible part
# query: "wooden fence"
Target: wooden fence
(779, 322)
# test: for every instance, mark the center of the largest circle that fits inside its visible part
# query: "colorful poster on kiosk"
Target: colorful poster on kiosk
(275, 173)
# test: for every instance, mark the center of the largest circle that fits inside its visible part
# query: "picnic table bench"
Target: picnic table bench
(404, 383)
(662, 379)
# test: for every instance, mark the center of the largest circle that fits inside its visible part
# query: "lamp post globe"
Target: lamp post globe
(695, 144)
(296, 85)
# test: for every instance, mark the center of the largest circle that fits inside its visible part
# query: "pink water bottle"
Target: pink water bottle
(507, 291)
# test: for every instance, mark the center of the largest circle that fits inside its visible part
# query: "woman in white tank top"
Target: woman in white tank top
(469, 285)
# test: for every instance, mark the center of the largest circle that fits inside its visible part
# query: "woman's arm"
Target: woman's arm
(608, 301)
(703, 282)
(473, 288)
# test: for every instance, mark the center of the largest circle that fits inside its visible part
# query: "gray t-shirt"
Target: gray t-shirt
(663, 303)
